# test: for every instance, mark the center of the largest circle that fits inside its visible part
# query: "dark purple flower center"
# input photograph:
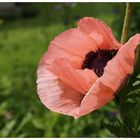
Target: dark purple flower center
(98, 60)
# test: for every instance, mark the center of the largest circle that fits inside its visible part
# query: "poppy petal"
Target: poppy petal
(97, 96)
(121, 66)
(80, 80)
(55, 94)
(115, 73)
(99, 32)
(72, 44)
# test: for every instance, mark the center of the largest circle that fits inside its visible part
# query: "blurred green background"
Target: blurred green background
(26, 29)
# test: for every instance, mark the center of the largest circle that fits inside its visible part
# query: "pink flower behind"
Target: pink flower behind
(83, 68)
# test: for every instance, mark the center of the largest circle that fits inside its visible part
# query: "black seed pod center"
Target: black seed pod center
(98, 60)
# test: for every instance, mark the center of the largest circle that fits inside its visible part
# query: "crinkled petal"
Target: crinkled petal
(97, 96)
(99, 32)
(121, 66)
(115, 73)
(72, 44)
(80, 80)
(55, 94)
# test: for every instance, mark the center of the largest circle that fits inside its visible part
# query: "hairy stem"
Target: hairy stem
(126, 23)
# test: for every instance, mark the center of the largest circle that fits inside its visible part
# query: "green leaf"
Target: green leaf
(3, 107)
(114, 128)
(8, 128)
(38, 123)
(136, 83)
(25, 120)
(138, 76)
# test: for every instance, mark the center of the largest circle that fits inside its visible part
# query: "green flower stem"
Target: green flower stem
(126, 23)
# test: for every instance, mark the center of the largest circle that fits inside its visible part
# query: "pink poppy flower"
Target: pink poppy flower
(83, 68)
